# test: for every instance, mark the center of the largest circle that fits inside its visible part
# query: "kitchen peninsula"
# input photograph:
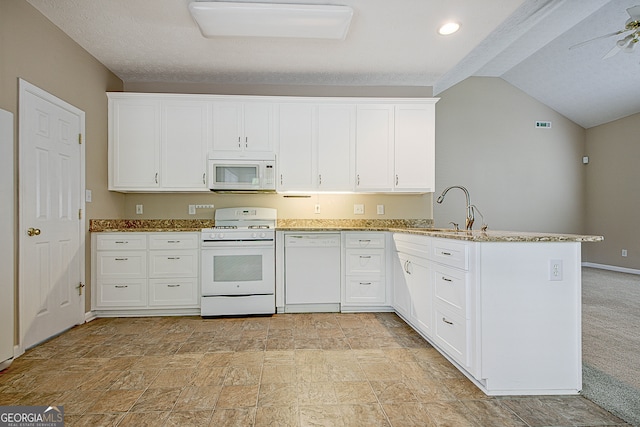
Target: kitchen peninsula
(504, 307)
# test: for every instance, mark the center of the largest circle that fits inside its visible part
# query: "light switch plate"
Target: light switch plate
(358, 209)
(380, 209)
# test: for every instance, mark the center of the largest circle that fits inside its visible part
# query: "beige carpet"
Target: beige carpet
(611, 341)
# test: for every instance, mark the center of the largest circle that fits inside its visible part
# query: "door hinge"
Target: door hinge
(80, 287)
(79, 213)
(80, 138)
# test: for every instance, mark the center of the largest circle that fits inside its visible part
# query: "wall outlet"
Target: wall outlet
(87, 196)
(624, 252)
(192, 209)
(555, 270)
(139, 210)
(316, 208)
(204, 206)
(358, 209)
(380, 209)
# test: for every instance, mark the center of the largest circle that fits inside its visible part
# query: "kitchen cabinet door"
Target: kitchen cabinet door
(296, 160)
(336, 147)
(258, 127)
(185, 137)
(374, 147)
(401, 296)
(134, 144)
(227, 126)
(418, 278)
(414, 150)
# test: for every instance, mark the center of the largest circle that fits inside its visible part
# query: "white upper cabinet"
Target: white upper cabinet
(316, 147)
(134, 143)
(374, 148)
(245, 128)
(184, 143)
(160, 142)
(336, 147)
(297, 140)
(157, 144)
(414, 151)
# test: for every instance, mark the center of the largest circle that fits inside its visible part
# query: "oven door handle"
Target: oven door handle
(237, 244)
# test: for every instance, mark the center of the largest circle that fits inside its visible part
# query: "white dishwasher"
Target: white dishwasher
(312, 272)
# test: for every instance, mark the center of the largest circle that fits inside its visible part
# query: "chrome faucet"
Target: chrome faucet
(469, 220)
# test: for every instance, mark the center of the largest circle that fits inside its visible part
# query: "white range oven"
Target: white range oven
(238, 263)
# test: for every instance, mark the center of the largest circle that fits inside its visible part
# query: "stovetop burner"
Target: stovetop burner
(259, 226)
(225, 227)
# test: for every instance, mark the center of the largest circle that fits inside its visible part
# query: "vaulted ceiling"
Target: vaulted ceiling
(390, 43)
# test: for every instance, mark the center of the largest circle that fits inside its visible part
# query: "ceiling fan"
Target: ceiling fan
(629, 41)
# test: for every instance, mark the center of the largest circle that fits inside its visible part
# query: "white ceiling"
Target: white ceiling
(390, 43)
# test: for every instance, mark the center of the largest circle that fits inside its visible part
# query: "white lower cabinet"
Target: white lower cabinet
(492, 309)
(364, 271)
(142, 273)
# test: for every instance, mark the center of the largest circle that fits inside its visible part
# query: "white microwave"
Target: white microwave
(241, 175)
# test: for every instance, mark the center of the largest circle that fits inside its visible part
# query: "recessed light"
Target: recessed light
(448, 28)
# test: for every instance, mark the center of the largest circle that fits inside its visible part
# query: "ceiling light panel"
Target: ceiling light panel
(217, 19)
(448, 28)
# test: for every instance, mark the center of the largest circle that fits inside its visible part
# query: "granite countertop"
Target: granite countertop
(411, 226)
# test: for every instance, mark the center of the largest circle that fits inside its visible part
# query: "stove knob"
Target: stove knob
(263, 235)
(220, 235)
(212, 235)
(254, 235)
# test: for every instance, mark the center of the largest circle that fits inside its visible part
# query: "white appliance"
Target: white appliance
(238, 263)
(251, 175)
(312, 272)
(7, 277)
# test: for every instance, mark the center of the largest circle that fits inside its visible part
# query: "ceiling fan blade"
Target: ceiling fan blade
(616, 49)
(598, 38)
(634, 12)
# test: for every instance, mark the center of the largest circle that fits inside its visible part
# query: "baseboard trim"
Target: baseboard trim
(611, 268)
(89, 316)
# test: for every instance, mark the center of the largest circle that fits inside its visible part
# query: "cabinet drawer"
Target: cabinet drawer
(450, 253)
(365, 240)
(122, 293)
(121, 241)
(365, 290)
(369, 262)
(126, 264)
(178, 292)
(173, 241)
(411, 244)
(450, 288)
(173, 263)
(450, 332)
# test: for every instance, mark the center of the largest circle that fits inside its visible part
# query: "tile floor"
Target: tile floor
(320, 369)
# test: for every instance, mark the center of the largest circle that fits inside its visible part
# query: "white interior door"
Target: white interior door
(51, 260)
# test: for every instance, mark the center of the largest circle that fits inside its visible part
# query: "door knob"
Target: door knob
(33, 231)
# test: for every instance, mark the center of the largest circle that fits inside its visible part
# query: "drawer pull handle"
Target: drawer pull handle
(173, 257)
(446, 279)
(365, 256)
(364, 240)
(446, 321)
(173, 286)
(366, 283)
(122, 259)
(122, 286)
(446, 253)
(173, 241)
(120, 242)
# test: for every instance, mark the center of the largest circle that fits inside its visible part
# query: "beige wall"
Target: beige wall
(520, 177)
(613, 192)
(33, 49)
(157, 206)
